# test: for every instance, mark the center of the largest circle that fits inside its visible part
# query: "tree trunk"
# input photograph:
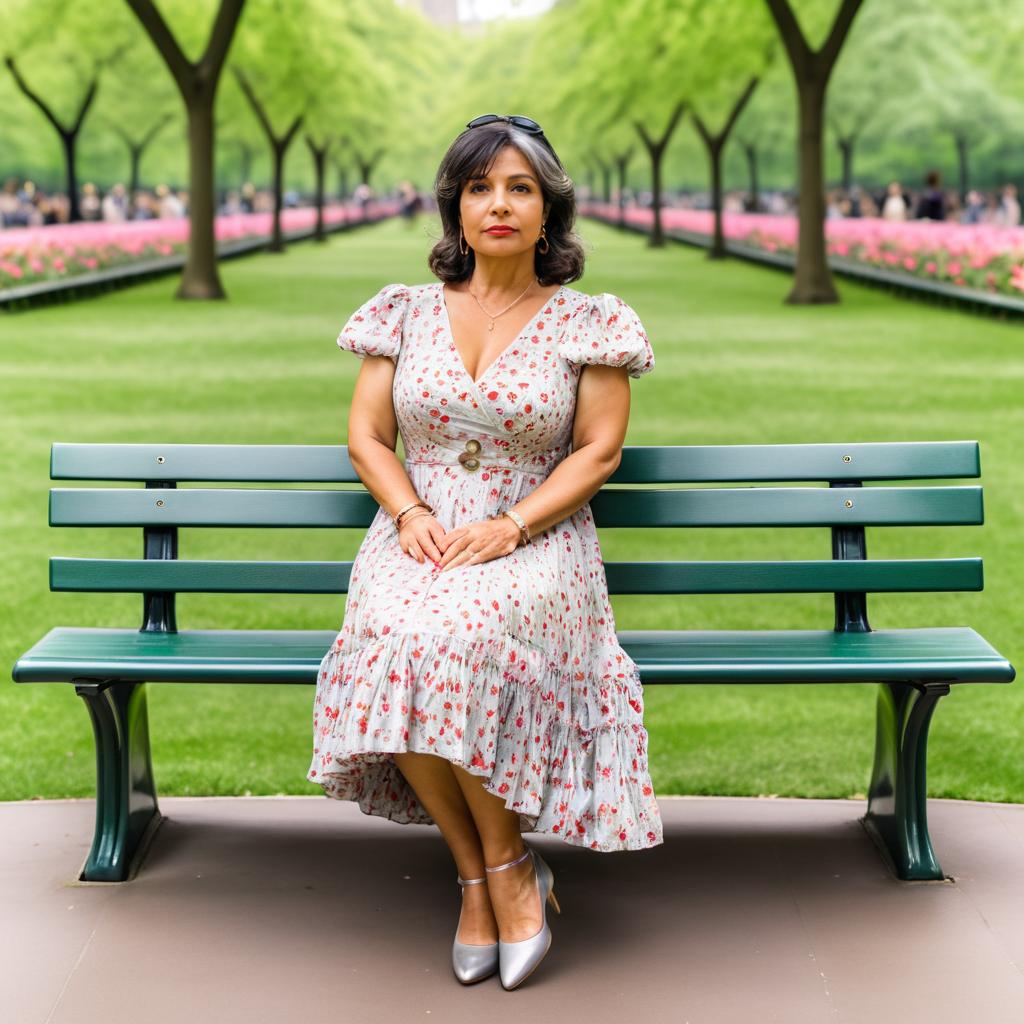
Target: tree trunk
(846, 149)
(197, 82)
(278, 147)
(717, 250)
(657, 236)
(318, 162)
(246, 163)
(715, 146)
(755, 193)
(68, 135)
(200, 279)
(68, 140)
(622, 163)
(656, 150)
(811, 70)
(813, 282)
(133, 177)
(276, 238)
(962, 171)
(319, 154)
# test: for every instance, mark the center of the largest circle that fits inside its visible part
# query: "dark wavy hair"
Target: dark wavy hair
(472, 154)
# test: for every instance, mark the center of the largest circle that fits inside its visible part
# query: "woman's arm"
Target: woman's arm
(373, 436)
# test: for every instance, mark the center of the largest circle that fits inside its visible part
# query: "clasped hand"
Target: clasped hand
(472, 543)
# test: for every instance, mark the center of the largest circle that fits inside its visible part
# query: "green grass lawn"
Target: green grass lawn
(734, 365)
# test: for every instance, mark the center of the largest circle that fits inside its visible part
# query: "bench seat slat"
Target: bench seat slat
(611, 506)
(117, 575)
(953, 654)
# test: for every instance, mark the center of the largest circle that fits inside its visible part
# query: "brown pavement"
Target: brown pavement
(281, 909)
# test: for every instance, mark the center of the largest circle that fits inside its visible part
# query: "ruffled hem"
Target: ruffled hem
(503, 711)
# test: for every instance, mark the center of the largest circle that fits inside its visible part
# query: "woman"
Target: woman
(477, 682)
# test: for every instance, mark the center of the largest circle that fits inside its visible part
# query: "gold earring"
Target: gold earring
(462, 238)
(544, 238)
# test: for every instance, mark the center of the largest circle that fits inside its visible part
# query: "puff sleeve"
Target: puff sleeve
(376, 327)
(608, 332)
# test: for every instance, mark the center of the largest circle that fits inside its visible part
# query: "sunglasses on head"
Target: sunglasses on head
(526, 123)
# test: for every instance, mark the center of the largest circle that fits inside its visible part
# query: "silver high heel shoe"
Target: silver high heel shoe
(518, 960)
(472, 962)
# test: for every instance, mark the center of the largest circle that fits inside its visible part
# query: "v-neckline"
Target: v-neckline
(501, 355)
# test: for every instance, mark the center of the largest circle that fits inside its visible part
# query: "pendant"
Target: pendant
(490, 326)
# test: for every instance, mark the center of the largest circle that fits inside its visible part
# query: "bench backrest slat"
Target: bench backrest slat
(656, 464)
(612, 507)
(112, 575)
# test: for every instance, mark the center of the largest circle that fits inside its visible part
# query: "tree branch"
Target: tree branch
(86, 103)
(163, 39)
(318, 151)
(656, 145)
(702, 130)
(740, 104)
(254, 102)
(35, 97)
(792, 35)
(677, 113)
(156, 129)
(829, 52)
(290, 134)
(642, 131)
(228, 15)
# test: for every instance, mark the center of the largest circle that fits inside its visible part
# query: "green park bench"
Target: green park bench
(912, 668)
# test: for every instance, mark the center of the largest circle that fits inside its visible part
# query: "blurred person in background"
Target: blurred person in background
(114, 205)
(974, 208)
(144, 207)
(895, 206)
(362, 194)
(932, 203)
(1009, 207)
(89, 207)
(168, 204)
(410, 200)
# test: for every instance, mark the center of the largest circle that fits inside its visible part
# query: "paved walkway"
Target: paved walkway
(281, 909)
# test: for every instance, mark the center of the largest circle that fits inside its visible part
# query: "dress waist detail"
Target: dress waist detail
(476, 455)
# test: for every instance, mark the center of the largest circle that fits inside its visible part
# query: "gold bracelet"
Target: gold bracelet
(409, 519)
(405, 508)
(520, 522)
(397, 519)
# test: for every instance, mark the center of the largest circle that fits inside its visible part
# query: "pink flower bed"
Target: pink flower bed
(63, 250)
(984, 257)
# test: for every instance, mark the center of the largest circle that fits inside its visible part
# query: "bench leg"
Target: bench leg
(127, 814)
(897, 797)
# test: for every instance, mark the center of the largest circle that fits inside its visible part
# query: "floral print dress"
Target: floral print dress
(509, 668)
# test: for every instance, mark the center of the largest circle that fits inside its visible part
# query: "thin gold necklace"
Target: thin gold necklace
(494, 316)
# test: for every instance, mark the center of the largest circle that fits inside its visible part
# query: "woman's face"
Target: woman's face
(509, 195)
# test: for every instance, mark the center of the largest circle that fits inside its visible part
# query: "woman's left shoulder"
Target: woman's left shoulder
(603, 329)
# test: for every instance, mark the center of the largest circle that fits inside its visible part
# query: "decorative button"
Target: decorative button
(468, 459)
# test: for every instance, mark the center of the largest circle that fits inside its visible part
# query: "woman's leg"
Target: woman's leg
(513, 891)
(434, 784)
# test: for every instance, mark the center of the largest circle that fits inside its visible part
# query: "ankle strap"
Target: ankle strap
(471, 881)
(511, 863)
